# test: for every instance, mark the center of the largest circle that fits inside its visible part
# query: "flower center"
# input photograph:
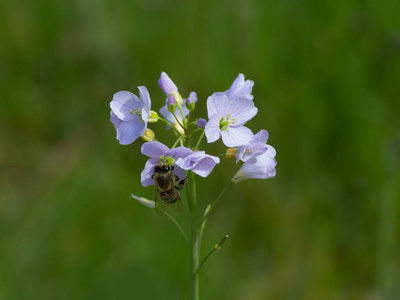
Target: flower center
(168, 160)
(226, 121)
(136, 111)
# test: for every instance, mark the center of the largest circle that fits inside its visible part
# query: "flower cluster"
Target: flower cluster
(228, 113)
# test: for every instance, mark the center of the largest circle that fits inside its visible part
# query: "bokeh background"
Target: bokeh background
(327, 87)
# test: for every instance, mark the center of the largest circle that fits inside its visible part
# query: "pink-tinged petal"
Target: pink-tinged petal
(248, 171)
(261, 136)
(241, 88)
(166, 84)
(122, 104)
(193, 96)
(205, 166)
(178, 171)
(128, 132)
(200, 163)
(264, 168)
(217, 104)
(266, 157)
(147, 173)
(154, 149)
(179, 152)
(145, 115)
(144, 98)
(164, 111)
(256, 151)
(115, 120)
(242, 110)
(238, 136)
(271, 152)
(212, 130)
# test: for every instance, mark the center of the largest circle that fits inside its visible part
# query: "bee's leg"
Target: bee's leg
(180, 184)
(152, 176)
(172, 167)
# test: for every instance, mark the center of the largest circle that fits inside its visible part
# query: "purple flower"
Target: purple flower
(199, 162)
(256, 147)
(262, 168)
(226, 119)
(158, 151)
(240, 88)
(129, 114)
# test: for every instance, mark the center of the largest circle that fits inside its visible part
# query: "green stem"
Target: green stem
(199, 141)
(178, 225)
(216, 248)
(179, 122)
(195, 241)
(177, 141)
(196, 130)
(211, 206)
(183, 115)
(172, 126)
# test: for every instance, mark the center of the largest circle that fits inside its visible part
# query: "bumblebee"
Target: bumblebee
(166, 190)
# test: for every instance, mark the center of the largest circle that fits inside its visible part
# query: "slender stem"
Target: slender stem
(195, 245)
(211, 206)
(183, 115)
(180, 138)
(216, 248)
(178, 225)
(172, 126)
(197, 129)
(199, 141)
(207, 212)
(179, 122)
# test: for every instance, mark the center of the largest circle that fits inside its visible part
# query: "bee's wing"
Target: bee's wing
(178, 205)
(160, 205)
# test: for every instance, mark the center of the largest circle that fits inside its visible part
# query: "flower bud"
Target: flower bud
(148, 135)
(153, 118)
(144, 201)
(201, 123)
(171, 103)
(178, 97)
(190, 104)
(231, 153)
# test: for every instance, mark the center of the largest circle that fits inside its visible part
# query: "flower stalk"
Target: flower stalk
(195, 241)
(169, 168)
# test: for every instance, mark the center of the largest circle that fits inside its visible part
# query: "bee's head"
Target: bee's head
(163, 168)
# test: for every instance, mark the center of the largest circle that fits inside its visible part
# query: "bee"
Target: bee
(167, 191)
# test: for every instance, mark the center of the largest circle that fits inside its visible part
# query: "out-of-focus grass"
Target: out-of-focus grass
(327, 87)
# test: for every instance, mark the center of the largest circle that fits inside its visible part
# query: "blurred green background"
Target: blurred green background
(326, 76)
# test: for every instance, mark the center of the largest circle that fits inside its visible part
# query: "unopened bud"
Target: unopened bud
(153, 118)
(231, 153)
(178, 97)
(144, 201)
(171, 103)
(148, 135)
(201, 123)
(190, 104)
